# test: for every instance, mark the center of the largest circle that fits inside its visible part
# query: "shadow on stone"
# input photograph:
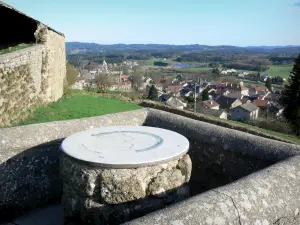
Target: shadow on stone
(97, 213)
(30, 179)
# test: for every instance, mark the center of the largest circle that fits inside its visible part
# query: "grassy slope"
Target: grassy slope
(280, 71)
(78, 106)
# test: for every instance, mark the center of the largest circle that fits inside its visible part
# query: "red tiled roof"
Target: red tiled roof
(224, 84)
(260, 88)
(210, 103)
(260, 103)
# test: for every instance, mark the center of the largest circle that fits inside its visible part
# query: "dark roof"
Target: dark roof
(86, 75)
(225, 102)
(236, 95)
(212, 112)
(277, 106)
(249, 107)
(3, 4)
(273, 97)
(245, 99)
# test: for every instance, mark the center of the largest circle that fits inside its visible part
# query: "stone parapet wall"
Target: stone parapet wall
(210, 119)
(270, 196)
(30, 77)
(237, 178)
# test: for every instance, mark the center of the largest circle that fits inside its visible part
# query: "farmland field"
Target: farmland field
(280, 71)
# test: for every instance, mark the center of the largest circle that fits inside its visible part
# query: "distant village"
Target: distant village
(226, 100)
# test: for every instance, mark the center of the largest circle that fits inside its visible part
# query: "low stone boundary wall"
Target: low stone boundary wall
(209, 119)
(270, 196)
(221, 155)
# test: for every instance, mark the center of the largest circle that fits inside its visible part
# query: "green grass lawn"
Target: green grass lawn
(150, 62)
(14, 48)
(79, 105)
(279, 71)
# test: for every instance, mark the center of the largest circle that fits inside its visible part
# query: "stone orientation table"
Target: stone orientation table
(114, 174)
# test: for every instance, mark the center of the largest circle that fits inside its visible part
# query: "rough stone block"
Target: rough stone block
(102, 191)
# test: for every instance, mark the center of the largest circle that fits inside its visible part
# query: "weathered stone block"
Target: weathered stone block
(104, 192)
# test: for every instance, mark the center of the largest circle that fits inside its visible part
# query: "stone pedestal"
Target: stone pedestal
(144, 171)
(102, 196)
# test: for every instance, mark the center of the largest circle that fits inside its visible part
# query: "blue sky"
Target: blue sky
(210, 22)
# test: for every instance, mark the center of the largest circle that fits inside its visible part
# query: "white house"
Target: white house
(244, 91)
(176, 103)
(217, 113)
(230, 71)
(244, 112)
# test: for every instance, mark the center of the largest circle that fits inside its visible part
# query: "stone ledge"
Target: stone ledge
(15, 54)
(208, 119)
(35, 134)
(266, 197)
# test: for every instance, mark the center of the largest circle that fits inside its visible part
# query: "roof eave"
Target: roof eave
(3, 4)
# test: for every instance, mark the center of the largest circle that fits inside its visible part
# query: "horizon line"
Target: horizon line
(290, 45)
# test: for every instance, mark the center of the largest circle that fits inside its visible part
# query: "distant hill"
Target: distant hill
(75, 47)
(71, 46)
(274, 47)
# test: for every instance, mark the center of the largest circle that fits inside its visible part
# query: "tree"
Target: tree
(269, 84)
(160, 64)
(136, 80)
(258, 76)
(103, 81)
(290, 98)
(180, 77)
(216, 73)
(153, 93)
(164, 83)
(205, 95)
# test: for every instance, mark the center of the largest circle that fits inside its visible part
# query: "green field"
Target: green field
(79, 105)
(280, 71)
(150, 62)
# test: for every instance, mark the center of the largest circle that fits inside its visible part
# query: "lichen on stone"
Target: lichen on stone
(41, 34)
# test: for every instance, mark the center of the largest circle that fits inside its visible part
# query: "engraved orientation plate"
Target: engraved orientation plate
(125, 146)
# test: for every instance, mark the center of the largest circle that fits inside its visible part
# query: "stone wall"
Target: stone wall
(31, 76)
(237, 178)
(221, 156)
